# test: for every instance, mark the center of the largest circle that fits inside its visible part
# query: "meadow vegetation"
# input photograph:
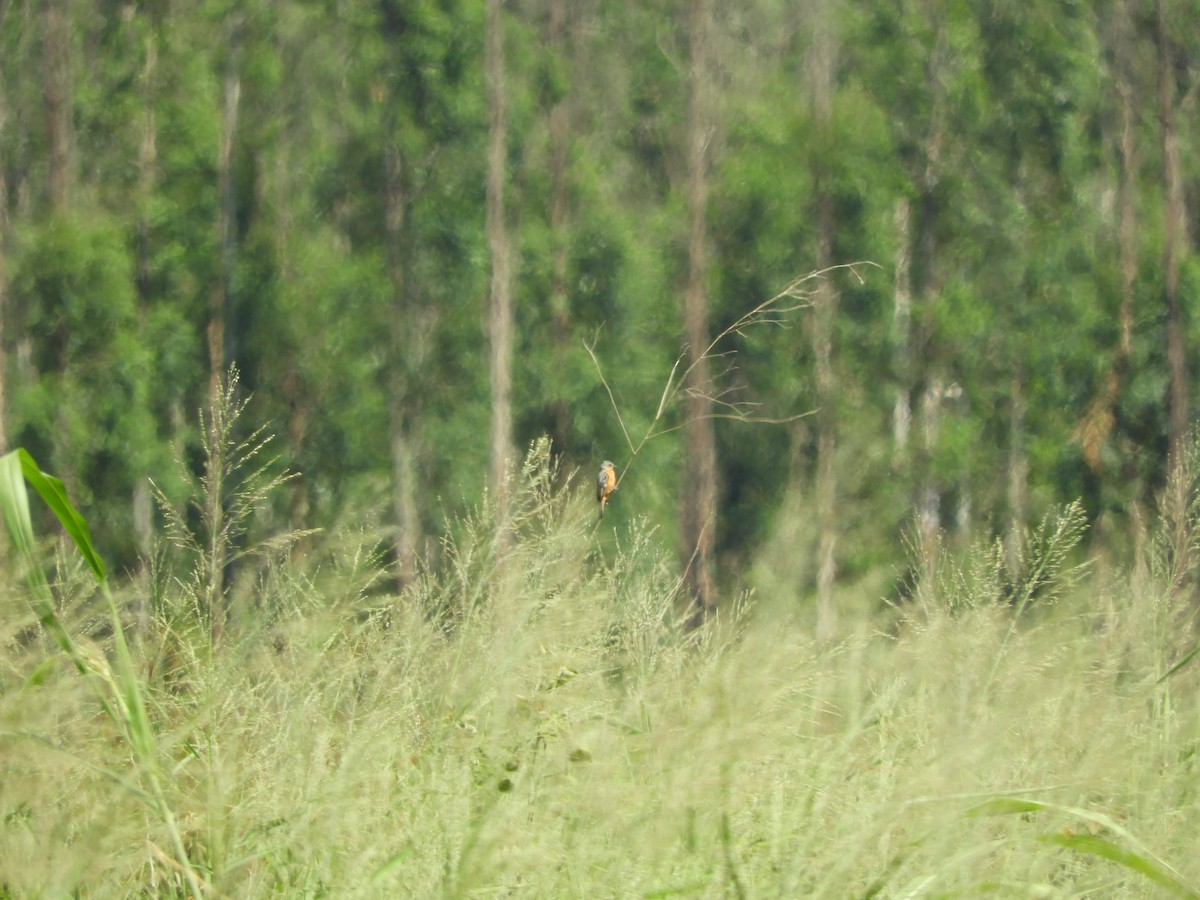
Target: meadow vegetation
(532, 717)
(432, 233)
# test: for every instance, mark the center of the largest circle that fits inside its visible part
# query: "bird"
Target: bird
(606, 483)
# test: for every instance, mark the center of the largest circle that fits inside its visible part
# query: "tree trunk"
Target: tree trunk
(147, 180)
(500, 304)
(4, 233)
(403, 322)
(825, 303)
(142, 503)
(405, 471)
(901, 325)
(560, 310)
(221, 301)
(926, 282)
(59, 101)
(824, 310)
(699, 501)
(1127, 226)
(1018, 475)
(1173, 246)
(929, 495)
(1018, 462)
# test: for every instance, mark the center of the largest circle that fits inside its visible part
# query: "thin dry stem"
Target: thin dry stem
(769, 312)
(611, 398)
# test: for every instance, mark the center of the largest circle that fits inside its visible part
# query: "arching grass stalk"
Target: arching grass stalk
(119, 693)
(797, 295)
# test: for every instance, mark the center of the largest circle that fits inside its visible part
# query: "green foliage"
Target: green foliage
(356, 263)
(88, 406)
(18, 468)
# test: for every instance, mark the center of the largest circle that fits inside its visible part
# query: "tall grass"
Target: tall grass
(531, 718)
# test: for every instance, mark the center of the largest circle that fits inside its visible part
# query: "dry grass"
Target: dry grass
(541, 725)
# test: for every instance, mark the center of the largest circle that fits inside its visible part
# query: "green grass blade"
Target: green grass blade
(392, 864)
(14, 500)
(54, 495)
(1140, 859)
(1179, 665)
(1004, 806)
(1098, 846)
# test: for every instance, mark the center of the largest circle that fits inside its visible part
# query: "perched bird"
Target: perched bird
(606, 483)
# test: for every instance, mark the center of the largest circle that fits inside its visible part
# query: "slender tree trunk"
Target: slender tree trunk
(824, 311)
(220, 305)
(1174, 243)
(929, 495)
(1018, 461)
(1099, 419)
(825, 303)
(927, 286)
(16, 203)
(901, 326)
(1018, 475)
(147, 163)
(1127, 239)
(500, 304)
(962, 515)
(560, 310)
(405, 469)
(300, 404)
(143, 507)
(59, 101)
(4, 233)
(699, 499)
(1127, 226)
(221, 301)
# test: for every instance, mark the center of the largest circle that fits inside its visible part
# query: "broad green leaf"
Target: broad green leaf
(54, 494)
(14, 499)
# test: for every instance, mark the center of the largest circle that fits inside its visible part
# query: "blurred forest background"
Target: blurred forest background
(403, 222)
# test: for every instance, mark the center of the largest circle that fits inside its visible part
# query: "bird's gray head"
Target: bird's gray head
(607, 464)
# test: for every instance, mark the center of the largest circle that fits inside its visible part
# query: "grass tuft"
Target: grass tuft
(530, 716)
